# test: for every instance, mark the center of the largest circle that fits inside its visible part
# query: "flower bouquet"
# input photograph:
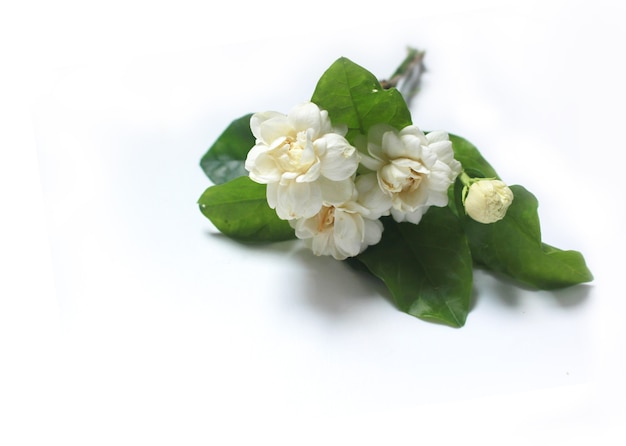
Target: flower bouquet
(353, 177)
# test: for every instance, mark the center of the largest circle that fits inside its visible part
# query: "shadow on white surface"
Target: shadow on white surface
(512, 293)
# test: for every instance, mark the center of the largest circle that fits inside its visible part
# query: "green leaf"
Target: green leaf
(427, 267)
(354, 97)
(239, 209)
(225, 159)
(470, 158)
(473, 164)
(513, 246)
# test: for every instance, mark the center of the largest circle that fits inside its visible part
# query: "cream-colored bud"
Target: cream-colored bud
(488, 200)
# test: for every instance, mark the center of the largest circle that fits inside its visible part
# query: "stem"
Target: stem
(465, 179)
(408, 75)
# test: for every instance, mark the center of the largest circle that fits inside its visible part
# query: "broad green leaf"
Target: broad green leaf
(225, 158)
(427, 267)
(354, 97)
(239, 209)
(513, 246)
(471, 159)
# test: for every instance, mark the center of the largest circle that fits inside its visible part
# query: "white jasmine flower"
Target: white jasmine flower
(301, 158)
(340, 229)
(488, 200)
(413, 170)
(371, 196)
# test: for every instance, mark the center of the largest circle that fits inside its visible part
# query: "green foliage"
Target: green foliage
(226, 157)
(471, 159)
(427, 267)
(239, 210)
(354, 97)
(513, 246)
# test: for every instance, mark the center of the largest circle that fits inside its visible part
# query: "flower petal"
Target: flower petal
(414, 131)
(257, 120)
(370, 162)
(271, 192)
(298, 200)
(444, 151)
(377, 132)
(416, 216)
(348, 233)
(392, 177)
(322, 243)
(373, 230)
(339, 159)
(437, 136)
(312, 174)
(336, 192)
(393, 146)
(306, 116)
(409, 201)
(371, 196)
(275, 128)
(437, 198)
(263, 168)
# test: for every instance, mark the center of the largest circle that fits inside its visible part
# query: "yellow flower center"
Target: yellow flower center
(400, 179)
(412, 182)
(292, 154)
(326, 218)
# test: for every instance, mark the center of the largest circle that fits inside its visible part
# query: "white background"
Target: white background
(126, 319)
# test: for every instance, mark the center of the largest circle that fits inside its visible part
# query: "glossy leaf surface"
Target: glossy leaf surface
(513, 246)
(225, 159)
(239, 210)
(354, 97)
(427, 267)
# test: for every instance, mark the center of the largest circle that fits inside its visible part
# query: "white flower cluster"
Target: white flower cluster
(310, 170)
